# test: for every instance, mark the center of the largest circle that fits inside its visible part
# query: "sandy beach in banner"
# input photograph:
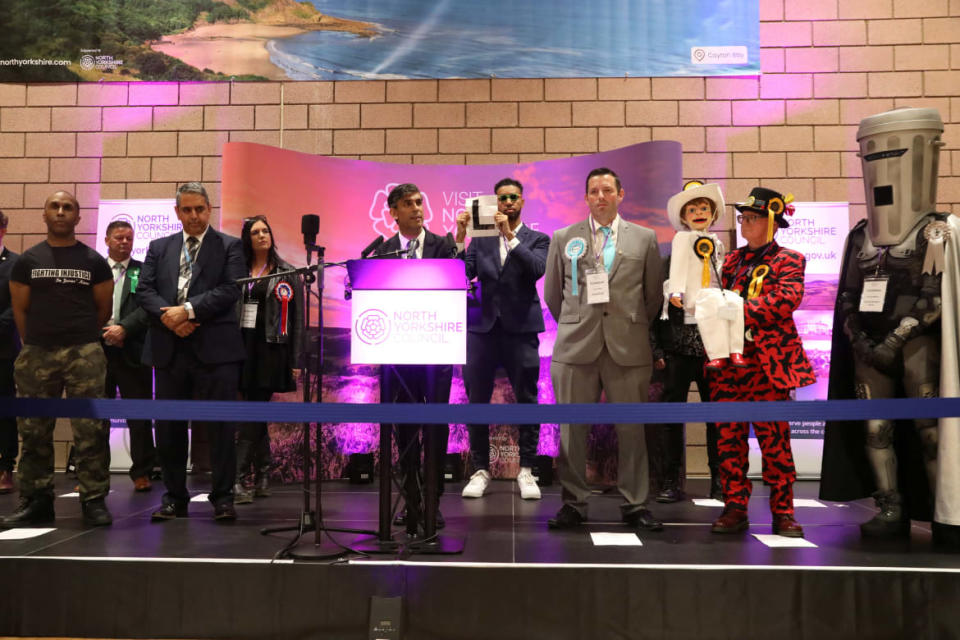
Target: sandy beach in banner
(233, 49)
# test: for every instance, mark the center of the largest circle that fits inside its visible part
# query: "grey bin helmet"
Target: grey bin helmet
(900, 153)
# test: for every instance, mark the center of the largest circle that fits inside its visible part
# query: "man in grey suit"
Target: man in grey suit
(603, 287)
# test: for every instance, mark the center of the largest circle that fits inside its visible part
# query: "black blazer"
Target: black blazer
(133, 318)
(434, 246)
(213, 294)
(510, 292)
(9, 338)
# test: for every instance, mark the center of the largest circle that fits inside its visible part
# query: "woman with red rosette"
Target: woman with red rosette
(770, 280)
(271, 319)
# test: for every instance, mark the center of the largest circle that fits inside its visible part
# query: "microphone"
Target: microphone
(373, 246)
(309, 227)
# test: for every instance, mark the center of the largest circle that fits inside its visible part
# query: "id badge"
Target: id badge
(248, 319)
(874, 293)
(598, 287)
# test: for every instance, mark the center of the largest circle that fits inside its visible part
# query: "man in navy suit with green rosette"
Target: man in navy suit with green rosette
(504, 330)
(188, 288)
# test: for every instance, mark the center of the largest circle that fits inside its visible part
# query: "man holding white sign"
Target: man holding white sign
(504, 330)
(603, 287)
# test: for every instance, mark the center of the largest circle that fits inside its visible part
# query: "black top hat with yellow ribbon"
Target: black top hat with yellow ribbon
(771, 204)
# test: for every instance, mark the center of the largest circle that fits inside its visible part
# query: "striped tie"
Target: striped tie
(186, 268)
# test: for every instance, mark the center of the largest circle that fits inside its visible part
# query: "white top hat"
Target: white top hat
(691, 191)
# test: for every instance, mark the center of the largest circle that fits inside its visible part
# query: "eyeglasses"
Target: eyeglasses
(744, 219)
(512, 197)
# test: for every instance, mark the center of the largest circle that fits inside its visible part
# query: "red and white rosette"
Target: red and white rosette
(284, 293)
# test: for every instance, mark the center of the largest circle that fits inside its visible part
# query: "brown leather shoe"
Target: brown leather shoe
(142, 484)
(732, 520)
(6, 482)
(785, 525)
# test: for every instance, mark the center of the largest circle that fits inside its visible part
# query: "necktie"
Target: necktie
(608, 249)
(412, 248)
(118, 271)
(186, 267)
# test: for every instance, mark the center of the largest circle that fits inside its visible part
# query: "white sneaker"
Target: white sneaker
(528, 484)
(478, 484)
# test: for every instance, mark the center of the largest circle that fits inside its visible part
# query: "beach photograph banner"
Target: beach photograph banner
(176, 40)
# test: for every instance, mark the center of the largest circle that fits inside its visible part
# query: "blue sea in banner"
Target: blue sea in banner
(525, 39)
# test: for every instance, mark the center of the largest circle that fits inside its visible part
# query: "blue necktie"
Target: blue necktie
(608, 249)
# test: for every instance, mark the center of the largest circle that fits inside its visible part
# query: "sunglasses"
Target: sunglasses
(744, 219)
(512, 197)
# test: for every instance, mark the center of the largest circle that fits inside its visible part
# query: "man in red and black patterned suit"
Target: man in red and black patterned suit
(770, 279)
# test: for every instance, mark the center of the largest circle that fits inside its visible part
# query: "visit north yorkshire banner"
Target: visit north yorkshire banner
(350, 198)
(96, 40)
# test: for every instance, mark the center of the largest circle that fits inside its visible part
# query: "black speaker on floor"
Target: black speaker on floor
(543, 471)
(386, 618)
(360, 468)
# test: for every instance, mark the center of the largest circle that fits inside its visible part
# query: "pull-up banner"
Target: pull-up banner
(375, 39)
(350, 198)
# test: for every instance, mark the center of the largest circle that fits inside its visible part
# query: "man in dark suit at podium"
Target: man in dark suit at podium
(504, 330)
(415, 383)
(123, 345)
(187, 287)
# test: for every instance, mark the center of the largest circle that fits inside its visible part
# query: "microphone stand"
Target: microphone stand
(310, 519)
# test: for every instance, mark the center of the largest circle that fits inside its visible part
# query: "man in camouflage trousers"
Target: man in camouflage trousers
(61, 292)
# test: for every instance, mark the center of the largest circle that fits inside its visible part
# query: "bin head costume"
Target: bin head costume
(886, 331)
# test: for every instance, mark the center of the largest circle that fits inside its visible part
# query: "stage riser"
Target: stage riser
(293, 601)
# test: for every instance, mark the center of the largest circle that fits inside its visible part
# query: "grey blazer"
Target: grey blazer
(636, 294)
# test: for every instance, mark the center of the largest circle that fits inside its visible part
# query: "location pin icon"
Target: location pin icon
(698, 54)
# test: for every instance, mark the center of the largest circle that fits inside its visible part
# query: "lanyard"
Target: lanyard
(262, 269)
(597, 256)
(120, 273)
(740, 271)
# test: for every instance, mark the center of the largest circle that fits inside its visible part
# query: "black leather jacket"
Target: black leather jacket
(272, 308)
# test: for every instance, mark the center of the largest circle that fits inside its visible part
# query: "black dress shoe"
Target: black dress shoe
(169, 511)
(95, 513)
(224, 511)
(567, 518)
(400, 519)
(642, 519)
(31, 511)
(669, 493)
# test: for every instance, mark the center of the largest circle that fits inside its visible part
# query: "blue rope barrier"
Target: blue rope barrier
(652, 412)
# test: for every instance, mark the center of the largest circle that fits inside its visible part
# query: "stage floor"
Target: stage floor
(498, 529)
(196, 578)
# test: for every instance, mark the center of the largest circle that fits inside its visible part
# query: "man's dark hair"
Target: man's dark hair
(508, 182)
(399, 192)
(4, 220)
(602, 171)
(117, 224)
(192, 187)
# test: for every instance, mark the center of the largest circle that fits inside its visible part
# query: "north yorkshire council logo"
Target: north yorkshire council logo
(373, 326)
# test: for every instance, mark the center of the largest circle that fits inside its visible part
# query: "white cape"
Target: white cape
(948, 460)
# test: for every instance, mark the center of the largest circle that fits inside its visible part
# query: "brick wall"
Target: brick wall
(826, 64)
